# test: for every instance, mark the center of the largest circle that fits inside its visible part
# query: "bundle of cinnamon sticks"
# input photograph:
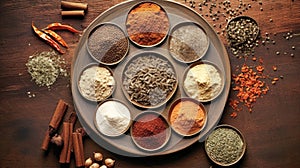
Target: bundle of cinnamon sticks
(72, 141)
(73, 8)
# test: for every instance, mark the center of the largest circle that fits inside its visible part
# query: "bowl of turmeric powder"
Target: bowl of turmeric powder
(187, 116)
(147, 24)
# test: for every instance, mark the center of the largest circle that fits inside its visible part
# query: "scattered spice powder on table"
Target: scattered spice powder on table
(187, 117)
(150, 131)
(147, 24)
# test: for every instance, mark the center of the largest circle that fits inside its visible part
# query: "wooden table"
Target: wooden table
(272, 130)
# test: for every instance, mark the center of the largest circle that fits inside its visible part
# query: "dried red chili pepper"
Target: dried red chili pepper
(59, 26)
(47, 38)
(56, 37)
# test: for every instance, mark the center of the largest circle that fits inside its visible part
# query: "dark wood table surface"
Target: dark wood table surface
(272, 130)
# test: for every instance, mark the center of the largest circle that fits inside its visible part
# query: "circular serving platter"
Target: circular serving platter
(124, 145)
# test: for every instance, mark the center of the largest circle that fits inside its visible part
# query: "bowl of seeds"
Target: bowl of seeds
(96, 82)
(188, 42)
(225, 145)
(107, 44)
(203, 81)
(147, 24)
(149, 80)
(242, 30)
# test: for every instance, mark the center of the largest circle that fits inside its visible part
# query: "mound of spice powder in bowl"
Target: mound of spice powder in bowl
(149, 80)
(147, 24)
(150, 131)
(96, 83)
(187, 116)
(112, 118)
(202, 82)
(188, 42)
(108, 44)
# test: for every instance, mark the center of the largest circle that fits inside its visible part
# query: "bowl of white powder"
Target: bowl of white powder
(112, 118)
(203, 81)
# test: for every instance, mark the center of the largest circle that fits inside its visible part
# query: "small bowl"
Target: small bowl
(119, 45)
(148, 25)
(115, 108)
(231, 37)
(208, 98)
(240, 146)
(136, 68)
(95, 98)
(187, 131)
(145, 142)
(179, 46)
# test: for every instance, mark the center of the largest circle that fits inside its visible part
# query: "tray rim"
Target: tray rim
(225, 60)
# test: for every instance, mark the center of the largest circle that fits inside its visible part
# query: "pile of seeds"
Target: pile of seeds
(149, 80)
(241, 35)
(46, 67)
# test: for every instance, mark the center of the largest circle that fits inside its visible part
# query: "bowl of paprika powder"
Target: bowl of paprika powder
(150, 131)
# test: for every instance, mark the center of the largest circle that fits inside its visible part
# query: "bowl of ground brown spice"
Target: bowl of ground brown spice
(188, 42)
(147, 24)
(187, 116)
(107, 44)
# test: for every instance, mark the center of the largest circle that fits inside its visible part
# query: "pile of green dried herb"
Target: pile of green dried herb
(46, 67)
(224, 146)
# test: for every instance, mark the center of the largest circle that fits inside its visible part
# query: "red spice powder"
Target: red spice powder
(150, 131)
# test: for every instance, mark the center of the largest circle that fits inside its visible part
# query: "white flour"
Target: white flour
(112, 118)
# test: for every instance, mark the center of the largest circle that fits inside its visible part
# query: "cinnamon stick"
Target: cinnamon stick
(74, 5)
(46, 141)
(78, 149)
(65, 154)
(73, 118)
(58, 114)
(56, 118)
(70, 13)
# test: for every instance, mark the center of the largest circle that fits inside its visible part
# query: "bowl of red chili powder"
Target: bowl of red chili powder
(150, 131)
(147, 24)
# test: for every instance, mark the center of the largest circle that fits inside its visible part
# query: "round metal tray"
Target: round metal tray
(123, 145)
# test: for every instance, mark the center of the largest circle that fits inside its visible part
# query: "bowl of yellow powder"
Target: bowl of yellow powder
(203, 81)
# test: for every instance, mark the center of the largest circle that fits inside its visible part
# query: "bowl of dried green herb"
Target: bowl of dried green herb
(225, 145)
